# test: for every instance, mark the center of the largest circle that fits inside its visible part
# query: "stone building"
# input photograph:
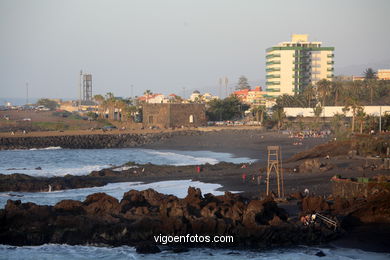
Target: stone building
(174, 115)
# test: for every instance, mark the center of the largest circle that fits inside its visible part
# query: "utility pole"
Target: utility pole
(26, 93)
(226, 84)
(220, 88)
(380, 119)
(80, 87)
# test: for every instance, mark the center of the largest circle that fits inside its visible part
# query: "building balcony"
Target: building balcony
(272, 62)
(270, 56)
(272, 76)
(330, 76)
(273, 90)
(330, 62)
(330, 55)
(272, 83)
(272, 69)
(330, 69)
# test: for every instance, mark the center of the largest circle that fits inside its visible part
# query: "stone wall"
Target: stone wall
(92, 141)
(174, 115)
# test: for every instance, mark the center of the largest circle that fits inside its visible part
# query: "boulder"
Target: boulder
(310, 165)
(101, 204)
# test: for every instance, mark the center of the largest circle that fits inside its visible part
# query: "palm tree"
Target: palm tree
(121, 105)
(361, 117)
(309, 93)
(278, 115)
(259, 111)
(100, 100)
(337, 122)
(323, 87)
(352, 104)
(147, 93)
(110, 104)
(338, 91)
(369, 74)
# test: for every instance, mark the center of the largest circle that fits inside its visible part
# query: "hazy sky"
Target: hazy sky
(165, 45)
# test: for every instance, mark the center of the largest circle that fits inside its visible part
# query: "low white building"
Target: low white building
(330, 111)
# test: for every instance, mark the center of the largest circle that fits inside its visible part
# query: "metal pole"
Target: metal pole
(26, 93)
(380, 119)
(80, 86)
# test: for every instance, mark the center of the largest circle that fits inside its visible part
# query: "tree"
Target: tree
(338, 91)
(309, 93)
(225, 109)
(50, 104)
(147, 93)
(352, 104)
(323, 87)
(278, 115)
(259, 111)
(337, 124)
(243, 83)
(360, 117)
(369, 74)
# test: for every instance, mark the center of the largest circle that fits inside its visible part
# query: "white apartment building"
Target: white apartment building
(290, 66)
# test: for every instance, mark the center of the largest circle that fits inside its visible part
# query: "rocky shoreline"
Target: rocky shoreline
(92, 141)
(141, 215)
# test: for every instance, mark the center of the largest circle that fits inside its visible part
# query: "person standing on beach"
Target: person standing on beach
(243, 178)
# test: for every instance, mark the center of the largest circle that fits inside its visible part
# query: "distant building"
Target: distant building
(290, 66)
(195, 96)
(358, 78)
(383, 74)
(174, 115)
(251, 97)
(154, 98)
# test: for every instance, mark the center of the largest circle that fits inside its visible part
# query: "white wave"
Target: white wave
(57, 172)
(178, 188)
(124, 168)
(65, 252)
(183, 158)
(46, 148)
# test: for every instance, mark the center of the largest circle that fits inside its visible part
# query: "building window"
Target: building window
(191, 119)
(150, 119)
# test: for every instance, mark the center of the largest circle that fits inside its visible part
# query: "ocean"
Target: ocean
(55, 161)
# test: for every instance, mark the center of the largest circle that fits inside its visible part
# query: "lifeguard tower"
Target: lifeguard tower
(275, 165)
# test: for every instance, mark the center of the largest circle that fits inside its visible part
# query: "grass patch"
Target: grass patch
(50, 126)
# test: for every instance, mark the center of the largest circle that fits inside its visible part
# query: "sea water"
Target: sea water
(54, 161)
(177, 187)
(66, 252)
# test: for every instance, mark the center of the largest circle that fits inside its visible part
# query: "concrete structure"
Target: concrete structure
(358, 187)
(87, 89)
(330, 111)
(383, 74)
(174, 115)
(290, 66)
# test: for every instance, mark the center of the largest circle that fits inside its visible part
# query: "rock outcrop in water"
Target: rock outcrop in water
(141, 215)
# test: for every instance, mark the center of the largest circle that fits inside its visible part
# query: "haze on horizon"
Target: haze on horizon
(169, 45)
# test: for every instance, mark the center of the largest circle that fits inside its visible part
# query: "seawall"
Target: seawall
(93, 141)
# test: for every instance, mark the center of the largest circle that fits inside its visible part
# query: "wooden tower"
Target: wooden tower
(275, 164)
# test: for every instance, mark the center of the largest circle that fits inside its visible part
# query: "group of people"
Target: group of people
(253, 178)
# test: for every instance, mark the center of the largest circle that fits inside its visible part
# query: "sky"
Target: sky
(173, 46)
